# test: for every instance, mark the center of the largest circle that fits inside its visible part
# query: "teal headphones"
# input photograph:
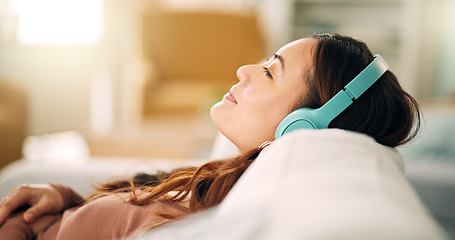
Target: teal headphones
(306, 118)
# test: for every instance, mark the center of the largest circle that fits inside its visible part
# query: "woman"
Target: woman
(304, 73)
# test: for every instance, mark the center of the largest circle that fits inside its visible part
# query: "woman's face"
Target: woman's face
(249, 114)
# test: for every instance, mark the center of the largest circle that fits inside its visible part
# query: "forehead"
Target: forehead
(298, 53)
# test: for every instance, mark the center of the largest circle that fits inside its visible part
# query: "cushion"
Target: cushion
(324, 184)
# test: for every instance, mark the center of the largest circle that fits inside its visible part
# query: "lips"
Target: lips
(230, 97)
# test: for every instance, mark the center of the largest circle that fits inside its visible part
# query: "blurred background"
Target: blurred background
(137, 78)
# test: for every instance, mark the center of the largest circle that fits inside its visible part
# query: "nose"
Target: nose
(244, 73)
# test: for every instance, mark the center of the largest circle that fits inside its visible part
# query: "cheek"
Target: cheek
(262, 116)
(270, 116)
(268, 109)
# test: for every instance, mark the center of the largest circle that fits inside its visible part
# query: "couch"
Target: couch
(325, 184)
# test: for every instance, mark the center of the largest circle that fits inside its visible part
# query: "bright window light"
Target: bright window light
(59, 22)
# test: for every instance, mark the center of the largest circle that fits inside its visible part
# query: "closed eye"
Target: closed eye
(267, 73)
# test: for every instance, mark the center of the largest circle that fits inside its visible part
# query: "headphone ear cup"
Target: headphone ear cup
(300, 124)
(298, 119)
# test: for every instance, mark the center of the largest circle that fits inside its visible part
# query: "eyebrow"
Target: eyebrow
(281, 59)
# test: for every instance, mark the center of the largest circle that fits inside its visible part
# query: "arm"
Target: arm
(15, 228)
(45, 200)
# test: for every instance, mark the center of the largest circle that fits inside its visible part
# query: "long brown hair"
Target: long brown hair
(385, 112)
(203, 186)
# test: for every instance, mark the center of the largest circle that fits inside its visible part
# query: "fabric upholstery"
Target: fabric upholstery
(325, 184)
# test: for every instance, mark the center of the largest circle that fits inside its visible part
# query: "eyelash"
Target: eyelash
(267, 72)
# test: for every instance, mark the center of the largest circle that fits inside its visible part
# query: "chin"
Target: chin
(213, 113)
(222, 118)
(219, 113)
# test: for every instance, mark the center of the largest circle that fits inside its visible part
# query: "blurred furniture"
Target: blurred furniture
(192, 57)
(13, 121)
(364, 20)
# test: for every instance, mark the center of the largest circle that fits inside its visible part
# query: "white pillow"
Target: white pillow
(324, 184)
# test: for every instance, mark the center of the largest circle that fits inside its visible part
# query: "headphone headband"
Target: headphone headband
(320, 118)
(367, 77)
